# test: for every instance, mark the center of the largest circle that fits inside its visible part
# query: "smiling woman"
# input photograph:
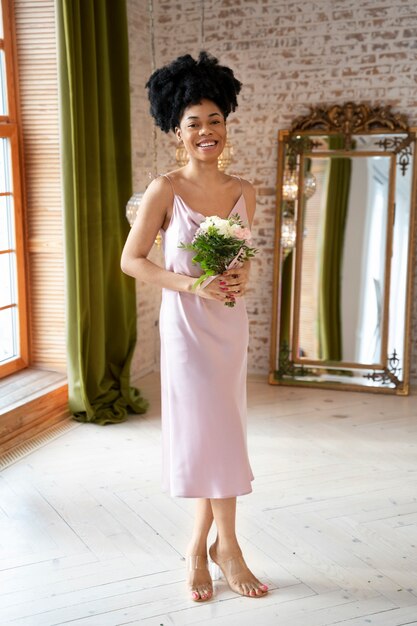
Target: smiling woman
(203, 343)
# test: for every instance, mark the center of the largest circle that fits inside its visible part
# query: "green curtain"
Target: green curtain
(329, 313)
(286, 296)
(96, 157)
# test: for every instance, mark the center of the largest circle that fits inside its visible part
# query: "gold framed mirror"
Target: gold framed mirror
(344, 241)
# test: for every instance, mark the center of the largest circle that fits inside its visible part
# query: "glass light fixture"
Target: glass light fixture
(310, 184)
(290, 185)
(288, 232)
(132, 207)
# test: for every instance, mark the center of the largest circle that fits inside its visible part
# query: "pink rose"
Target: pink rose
(243, 234)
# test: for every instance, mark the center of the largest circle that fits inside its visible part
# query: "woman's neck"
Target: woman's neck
(199, 172)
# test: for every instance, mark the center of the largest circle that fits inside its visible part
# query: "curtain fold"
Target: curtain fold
(286, 299)
(329, 310)
(97, 181)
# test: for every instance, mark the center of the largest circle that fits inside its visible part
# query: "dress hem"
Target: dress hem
(217, 497)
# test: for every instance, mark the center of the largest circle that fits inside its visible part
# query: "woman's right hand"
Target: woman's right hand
(215, 290)
(228, 286)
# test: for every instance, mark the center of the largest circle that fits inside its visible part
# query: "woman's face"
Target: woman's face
(203, 130)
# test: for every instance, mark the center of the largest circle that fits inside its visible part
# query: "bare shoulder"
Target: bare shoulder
(160, 188)
(156, 204)
(248, 189)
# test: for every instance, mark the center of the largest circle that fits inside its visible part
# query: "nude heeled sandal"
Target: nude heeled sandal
(230, 568)
(215, 571)
(198, 562)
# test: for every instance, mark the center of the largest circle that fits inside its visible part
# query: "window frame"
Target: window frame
(10, 127)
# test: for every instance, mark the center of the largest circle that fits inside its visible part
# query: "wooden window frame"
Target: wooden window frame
(10, 128)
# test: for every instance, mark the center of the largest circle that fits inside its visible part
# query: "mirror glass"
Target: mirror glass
(343, 260)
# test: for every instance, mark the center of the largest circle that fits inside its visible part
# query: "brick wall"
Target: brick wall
(288, 54)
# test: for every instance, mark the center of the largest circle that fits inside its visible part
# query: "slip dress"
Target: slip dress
(203, 377)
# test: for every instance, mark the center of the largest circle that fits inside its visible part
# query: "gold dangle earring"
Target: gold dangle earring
(181, 154)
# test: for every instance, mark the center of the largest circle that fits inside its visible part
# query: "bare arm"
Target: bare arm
(151, 217)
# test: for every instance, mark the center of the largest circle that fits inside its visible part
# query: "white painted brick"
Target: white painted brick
(289, 55)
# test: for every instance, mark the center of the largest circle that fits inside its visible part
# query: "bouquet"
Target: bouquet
(220, 244)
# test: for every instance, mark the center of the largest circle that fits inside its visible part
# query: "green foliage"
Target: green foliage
(214, 252)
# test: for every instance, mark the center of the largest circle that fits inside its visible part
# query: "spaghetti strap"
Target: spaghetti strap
(241, 184)
(170, 182)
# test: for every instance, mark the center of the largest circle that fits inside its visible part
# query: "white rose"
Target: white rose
(222, 226)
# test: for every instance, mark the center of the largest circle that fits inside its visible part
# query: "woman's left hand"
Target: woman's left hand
(236, 280)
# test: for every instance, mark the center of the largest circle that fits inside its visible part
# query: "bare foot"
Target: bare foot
(198, 578)
(239, 577)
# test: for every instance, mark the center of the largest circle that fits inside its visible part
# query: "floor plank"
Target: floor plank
(88, 538)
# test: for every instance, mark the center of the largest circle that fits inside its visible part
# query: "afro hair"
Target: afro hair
(185, 81)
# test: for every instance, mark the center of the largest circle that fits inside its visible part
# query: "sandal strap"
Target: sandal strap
(195, 561)
(232, 566)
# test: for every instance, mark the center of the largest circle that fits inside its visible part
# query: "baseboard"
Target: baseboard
(27, 419)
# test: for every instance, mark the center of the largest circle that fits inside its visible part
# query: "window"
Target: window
(13, 301)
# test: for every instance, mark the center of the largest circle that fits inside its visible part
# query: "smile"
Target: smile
(207, 144)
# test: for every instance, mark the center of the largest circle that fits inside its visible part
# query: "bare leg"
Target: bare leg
(226, 550)
(199, 579)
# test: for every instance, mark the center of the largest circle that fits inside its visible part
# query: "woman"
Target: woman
(203, 342)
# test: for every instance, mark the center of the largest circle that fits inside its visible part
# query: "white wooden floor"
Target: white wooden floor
(87, 538)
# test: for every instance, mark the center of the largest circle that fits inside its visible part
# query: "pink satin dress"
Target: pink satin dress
(203, 377)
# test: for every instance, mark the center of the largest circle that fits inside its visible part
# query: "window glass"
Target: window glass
(13, 313)
(7, 239)
(3, 85)
(7, 279)
(5, 166)
(8, 334)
